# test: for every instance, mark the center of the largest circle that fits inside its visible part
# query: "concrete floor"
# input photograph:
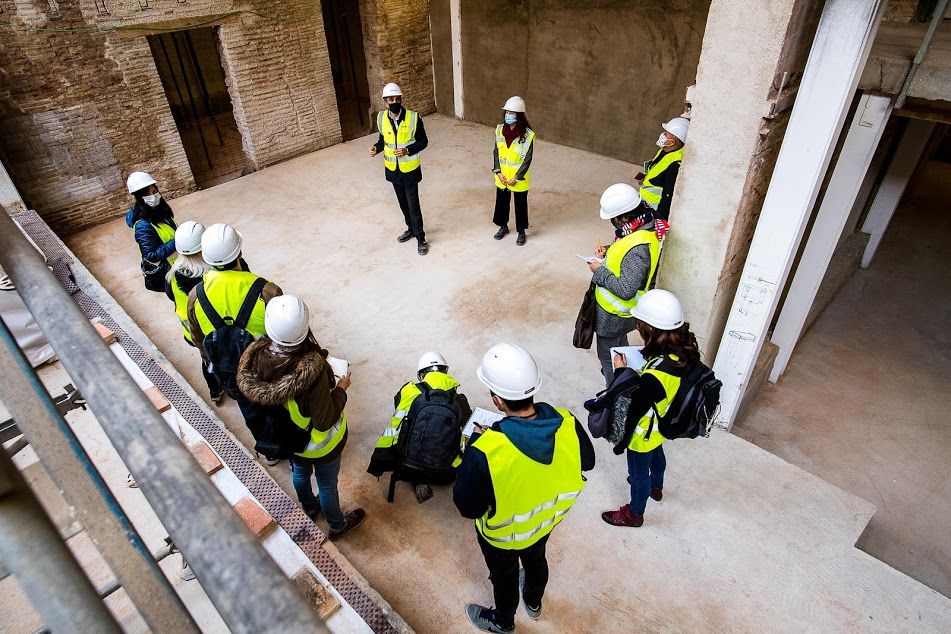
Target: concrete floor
(742, 541)
(883, 432)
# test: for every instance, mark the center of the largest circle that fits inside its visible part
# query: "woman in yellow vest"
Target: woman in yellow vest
(154, 225)
(287, 370)
(671, 351)
(514, 141)
(185, 274)
(656, 183)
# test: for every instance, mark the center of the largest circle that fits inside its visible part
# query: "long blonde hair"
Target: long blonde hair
(188, 266)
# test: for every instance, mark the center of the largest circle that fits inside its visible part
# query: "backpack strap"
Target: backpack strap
(210, 312)
(247, 306)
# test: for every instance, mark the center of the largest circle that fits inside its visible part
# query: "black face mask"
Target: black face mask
(395, 107)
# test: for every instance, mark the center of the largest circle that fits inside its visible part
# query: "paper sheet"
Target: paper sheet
(635, 359)
(339, 366)
(590, 258)
(482, 417)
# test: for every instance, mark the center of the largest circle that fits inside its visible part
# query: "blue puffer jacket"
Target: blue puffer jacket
(150, 245)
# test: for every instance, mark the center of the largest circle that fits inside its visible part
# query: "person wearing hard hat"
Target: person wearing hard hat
(154, 225)
(671, 351)
(402, 138)
(227, 288)
(514, 141)
(627, 269)
(518, 480)
(287, 373)
(656, 183)
(185, 274)
(440, 396)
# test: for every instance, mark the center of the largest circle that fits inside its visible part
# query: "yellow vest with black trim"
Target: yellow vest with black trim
(511, 158)
(612, 261)
(402, 138)
(531, 498)
(640, 442)
(321, 442)
(408, 394)
(165, 233)
(181, 306)
(651, 193)
(226, 291)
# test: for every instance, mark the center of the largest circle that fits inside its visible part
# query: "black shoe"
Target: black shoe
(313, 513)
(423, 492)
(533, 613)
(502, 232)
(484, 619)
(404, 237)
(422, 248)
(350, 521)
(520, 240)
(216, 398)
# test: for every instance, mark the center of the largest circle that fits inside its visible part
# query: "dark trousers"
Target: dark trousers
(214, 385)
(501, 215)
(503, 573)
(604, 345)
(408, 195)
(646, 471)
(255, 416)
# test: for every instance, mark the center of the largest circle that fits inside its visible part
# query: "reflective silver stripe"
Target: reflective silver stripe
(652, 189)
(504, 161)
(523, 536)
(391, 431)
(544, 506)
(400, 413)
(312, 446)
(612, 299)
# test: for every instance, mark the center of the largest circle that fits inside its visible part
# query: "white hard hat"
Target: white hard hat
(138, 180)
(392, 90)
(286, 320)
(188, 237)
(514, 104)
(660, 309)
(431, 359)
(618, 199)
(679, 127)
(220, 244)
(509, 371)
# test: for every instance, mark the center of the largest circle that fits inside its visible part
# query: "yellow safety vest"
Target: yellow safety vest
(408, 394)
(181, 306)
(226, 291)
(531, 498)
(615, 255)
(404, 137)
(321, 442)
(511, 158)
(165, 233)
(650, 193)
(648, 421)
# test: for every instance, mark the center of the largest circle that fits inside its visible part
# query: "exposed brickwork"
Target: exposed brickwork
(206, 457)
(257, 519)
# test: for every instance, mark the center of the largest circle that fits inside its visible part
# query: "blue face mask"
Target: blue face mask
(510, 119)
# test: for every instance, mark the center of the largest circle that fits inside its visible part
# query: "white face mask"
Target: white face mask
(153, 200)
(662, 140)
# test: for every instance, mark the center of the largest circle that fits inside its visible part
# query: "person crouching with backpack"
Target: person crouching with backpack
(287, 370)
(671, 352)
(423, 442)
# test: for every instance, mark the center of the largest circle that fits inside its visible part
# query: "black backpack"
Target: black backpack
(431, 433)
(692, 410)
(227, 342)
(277, 436)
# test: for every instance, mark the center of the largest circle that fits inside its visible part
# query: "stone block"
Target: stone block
(257, 519)
(206, 457)
(323, 601)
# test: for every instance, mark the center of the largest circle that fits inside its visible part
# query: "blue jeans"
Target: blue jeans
(329, 502)
(647, 472)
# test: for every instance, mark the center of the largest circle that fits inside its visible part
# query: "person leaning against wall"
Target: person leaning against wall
(512, 161)
(671, 352)
(154, 225)
(402, 138)
(656, 183)
(627, 271)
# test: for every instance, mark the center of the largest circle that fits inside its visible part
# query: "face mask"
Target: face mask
(662, 140)
(510, 119)
(153, 200)
(395, 107)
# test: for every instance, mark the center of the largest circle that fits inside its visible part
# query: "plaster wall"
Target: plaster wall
(600, 76)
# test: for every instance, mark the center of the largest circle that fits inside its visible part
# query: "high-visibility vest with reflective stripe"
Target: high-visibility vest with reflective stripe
(531, 498)
(181, 306)
(321, 442)
(640, 442)
(404, 137)
(511, 158)
(226, 291)
(612, 260)
(651, 193)
(165, 233)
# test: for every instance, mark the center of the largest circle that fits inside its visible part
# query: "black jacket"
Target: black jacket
(396, 176)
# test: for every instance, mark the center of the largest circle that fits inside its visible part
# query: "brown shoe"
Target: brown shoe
(657, 494)
(623, 517)
(350, 521)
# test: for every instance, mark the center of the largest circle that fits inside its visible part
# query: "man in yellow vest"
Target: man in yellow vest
(656, 183)
(226, 286)
(627, 271)
(518, 480)
(402, 138)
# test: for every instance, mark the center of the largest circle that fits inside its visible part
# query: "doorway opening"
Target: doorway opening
(348, 66)
(189, 66)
